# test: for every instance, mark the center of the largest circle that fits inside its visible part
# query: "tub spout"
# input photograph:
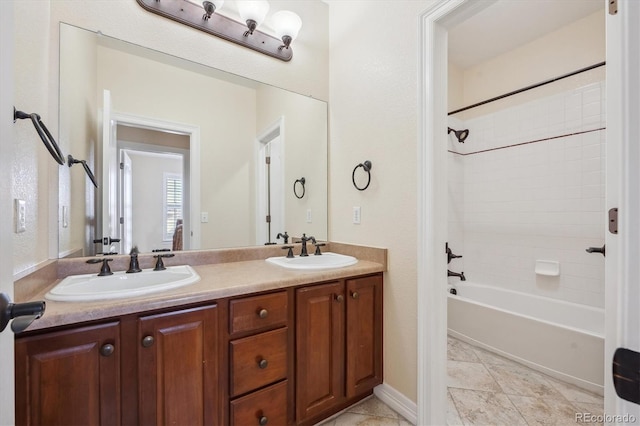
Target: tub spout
(455, 274)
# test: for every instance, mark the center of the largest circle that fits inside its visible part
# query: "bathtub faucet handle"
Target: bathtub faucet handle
(450, 254)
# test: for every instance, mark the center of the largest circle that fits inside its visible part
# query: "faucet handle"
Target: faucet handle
(290, 252)
(105, 269)
(159, 263)
(318, 245)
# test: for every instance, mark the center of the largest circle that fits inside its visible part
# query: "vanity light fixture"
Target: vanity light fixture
(210, 7)
(285, 24)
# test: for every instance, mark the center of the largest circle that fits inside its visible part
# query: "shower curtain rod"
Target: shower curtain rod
(533, 86)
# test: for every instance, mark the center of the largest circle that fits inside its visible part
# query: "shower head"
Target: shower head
(460, 134)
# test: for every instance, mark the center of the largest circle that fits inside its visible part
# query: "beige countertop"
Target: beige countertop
(217, 281)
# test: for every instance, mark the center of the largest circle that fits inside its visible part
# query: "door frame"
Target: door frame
(432, 172)
(275, 130)
(192, 185)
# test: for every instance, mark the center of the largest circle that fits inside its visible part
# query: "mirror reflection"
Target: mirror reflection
(185, 156)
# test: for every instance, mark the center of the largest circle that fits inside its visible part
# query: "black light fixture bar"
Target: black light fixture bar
(218, 25)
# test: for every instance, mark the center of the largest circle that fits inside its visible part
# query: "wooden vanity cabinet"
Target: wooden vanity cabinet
(178, 367)
(260, 359)
(285, 357)
(69, 377)
(151, 369)
(339, 345)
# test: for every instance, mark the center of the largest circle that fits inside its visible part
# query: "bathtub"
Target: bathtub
(562, 339)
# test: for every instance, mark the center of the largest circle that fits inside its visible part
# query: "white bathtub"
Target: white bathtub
(562, 339)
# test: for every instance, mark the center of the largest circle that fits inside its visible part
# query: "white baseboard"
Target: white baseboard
(398, 402)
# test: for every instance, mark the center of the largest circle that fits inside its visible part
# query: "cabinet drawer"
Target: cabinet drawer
(257, 361)
(267, 406)
(253, 313)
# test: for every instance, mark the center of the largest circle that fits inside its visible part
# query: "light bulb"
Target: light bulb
(253, 10)
(286, 24)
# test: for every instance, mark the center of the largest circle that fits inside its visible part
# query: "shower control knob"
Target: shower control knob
(600, 250)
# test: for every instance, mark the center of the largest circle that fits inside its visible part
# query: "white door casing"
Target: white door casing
(622, 269)
(270, 142)
(7, 136)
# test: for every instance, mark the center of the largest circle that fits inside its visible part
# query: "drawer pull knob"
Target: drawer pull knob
(263, 313)
(107, 350)
(148, 341)
(263, 364)
(263, 420)
(355, 295)
(339, 298)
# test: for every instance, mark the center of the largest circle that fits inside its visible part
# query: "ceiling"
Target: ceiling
(507, 24)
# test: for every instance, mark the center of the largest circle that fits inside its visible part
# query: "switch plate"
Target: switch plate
(204, 217)
(20, 215)
(308, 215)
(65, 216)
(356, 215)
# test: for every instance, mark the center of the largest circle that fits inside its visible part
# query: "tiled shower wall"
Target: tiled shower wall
(538, 201)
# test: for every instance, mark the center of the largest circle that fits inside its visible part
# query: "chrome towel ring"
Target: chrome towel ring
(302, 181)
(367, 168)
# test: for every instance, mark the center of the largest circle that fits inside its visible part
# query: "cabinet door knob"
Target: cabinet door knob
(263, 420)
(263, 313)
(107, 349)
(339, 298)
(355, 295)
(148, 341)
(263, 363)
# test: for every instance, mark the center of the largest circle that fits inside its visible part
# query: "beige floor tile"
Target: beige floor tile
(374, 407)
(585, 409)
(470, 375)
(575, 394)
(488, 357)
(453, 417)
(457, 350)
(539, 411)
(520, 380)
(354, 419)
(486, 408)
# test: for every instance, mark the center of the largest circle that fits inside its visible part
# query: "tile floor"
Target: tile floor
(486, 389)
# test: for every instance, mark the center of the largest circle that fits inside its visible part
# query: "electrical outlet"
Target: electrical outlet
(356, 215)
(204, 217)
(309, 216)
(20, 215)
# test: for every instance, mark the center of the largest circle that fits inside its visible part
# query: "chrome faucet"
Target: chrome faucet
(304, 240)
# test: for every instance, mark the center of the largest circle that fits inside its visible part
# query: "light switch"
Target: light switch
(308, 215)
(21, 216)
(204, 217)
(356, 215)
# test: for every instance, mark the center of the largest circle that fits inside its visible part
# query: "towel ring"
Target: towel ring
(302, 181)
(367, 168)
(71, 161)
(43, 132)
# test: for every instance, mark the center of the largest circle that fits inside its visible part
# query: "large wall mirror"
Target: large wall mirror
(185, 156)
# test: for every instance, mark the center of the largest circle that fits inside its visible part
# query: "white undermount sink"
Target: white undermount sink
(91, 287)
(312, 262)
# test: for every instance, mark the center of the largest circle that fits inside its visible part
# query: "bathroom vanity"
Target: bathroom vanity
(250, 343)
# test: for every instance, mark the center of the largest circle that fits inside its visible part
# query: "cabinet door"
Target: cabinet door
(69, 377)
(177, 367)
(320, 348)
(364, 334)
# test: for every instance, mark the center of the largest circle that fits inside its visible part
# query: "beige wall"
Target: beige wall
(373, 116)
(305, 136)
(35, 175)
(77, 136)
(567, 49)
(224, 113)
